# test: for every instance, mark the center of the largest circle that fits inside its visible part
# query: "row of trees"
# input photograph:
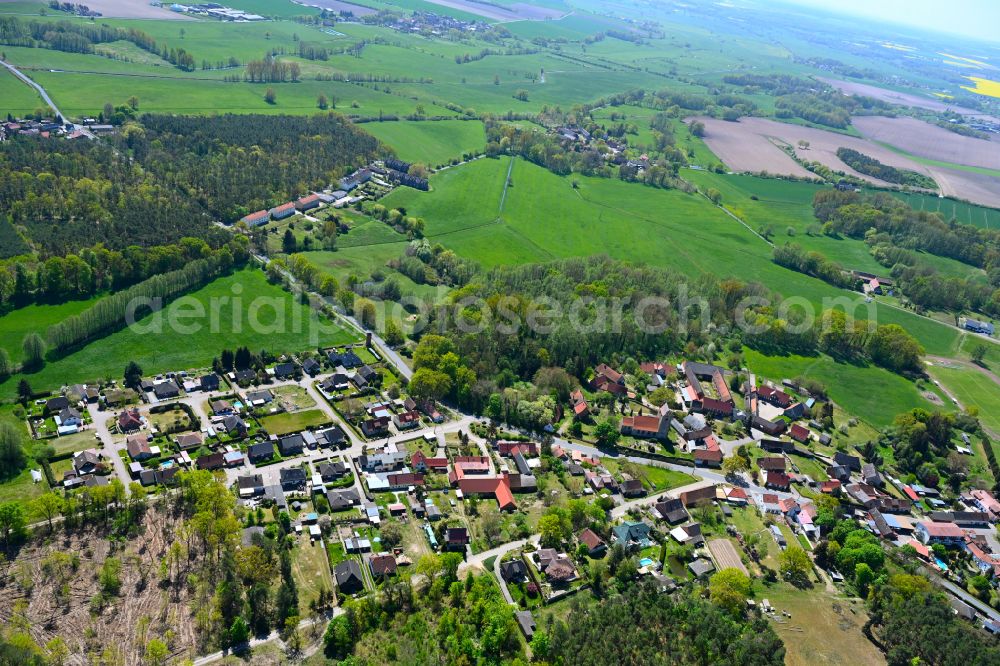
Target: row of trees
(271, 70)
(117, 309)
(99, 269)
(793, 256)
(872, 167)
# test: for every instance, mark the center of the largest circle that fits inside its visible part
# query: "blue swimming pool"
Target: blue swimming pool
(645, 562)
(941, 565)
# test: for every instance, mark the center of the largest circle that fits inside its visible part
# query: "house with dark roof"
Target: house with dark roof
(260, 452)
(346, 359)
(189, 440)
(772, 428)
(211, 461)
(291, 445)
(671, 510)
(234, 426)
(632, 535)
(332, 471)
(331, 437)
(285, 370)
(870, 475)
(513, 571)
(349, 577)
(456, 538)
(245, 376)
(311, 367)
(250, 484)
(853, 463)
(293, 478)
(376, 427)
(771, 464)
(166, 390)
(56, 404)
(209, 382)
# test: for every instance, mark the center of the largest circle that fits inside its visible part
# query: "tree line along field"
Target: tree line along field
(175, 350)
(961, 211)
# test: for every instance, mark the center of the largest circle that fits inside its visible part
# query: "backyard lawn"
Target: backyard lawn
(311, 571)
(288, 422)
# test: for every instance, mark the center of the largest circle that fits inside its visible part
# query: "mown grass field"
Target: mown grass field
(262, 317)
(867, 392)
(432, 143)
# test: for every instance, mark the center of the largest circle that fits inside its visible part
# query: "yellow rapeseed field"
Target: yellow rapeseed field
(983, 86)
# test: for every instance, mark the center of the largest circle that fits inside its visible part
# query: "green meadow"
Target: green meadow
(250, 312)
(433, 143)
(34, 318)
(868, 392)
(972, 388)
(545, 217)
(952, 209)
(786, 208)
(18, 97)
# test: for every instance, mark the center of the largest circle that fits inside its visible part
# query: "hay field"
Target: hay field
(927, 140)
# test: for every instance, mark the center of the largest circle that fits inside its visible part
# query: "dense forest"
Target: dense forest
(872, 167)
(234, 165)
(65, 195)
